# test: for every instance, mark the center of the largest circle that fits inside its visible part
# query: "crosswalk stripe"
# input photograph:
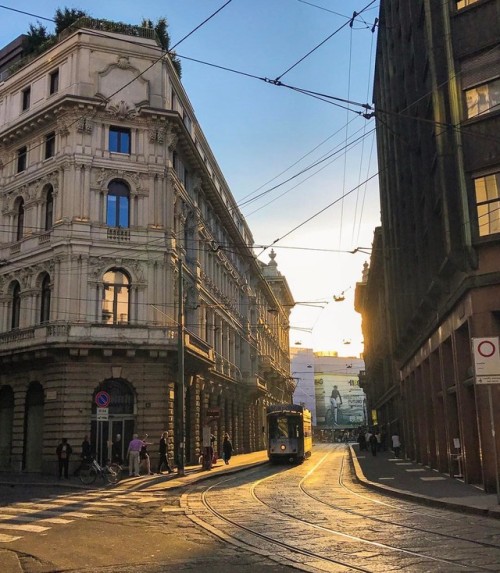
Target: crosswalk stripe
(15, 526)
(7, 538)
(30, 519)
(48, 512)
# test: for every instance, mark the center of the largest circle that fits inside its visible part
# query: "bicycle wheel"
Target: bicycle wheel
(88, 474)
(113, 473)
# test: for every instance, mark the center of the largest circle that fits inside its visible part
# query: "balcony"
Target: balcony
(86, 335)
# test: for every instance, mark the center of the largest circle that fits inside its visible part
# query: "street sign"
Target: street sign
(486, 360)
(102, 414)
(102, 399)
(213, 412)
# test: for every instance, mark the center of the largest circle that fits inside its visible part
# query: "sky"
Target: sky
(302, 167)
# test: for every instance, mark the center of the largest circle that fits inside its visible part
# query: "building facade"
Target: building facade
(435, 269)
(126, 267)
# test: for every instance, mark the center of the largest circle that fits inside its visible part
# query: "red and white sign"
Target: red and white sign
(486, 360)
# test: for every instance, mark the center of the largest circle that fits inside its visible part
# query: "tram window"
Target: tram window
(284, 427)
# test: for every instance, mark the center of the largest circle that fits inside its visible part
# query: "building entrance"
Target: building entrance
(119, 427)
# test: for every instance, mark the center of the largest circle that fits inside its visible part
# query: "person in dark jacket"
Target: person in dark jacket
(116, 450)
(63, 451)
(373, 444)
(227, 449)
(86, 455)
(163, 454)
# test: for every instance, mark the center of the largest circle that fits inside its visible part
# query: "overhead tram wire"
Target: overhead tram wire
(345, 150)
(277, 79)
(317, 213)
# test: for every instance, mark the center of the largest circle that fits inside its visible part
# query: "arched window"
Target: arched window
(115, 297)
(16, 305)
(49, 208)
(45, 300)
(20, 220)
(118, 202)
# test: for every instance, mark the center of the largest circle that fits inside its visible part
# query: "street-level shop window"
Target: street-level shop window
(488, 204)
(119, 139)
(22, 157)
(118, 202)
(483, 98)
(115, 297)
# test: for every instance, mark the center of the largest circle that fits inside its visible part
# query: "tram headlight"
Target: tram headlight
(283, 447)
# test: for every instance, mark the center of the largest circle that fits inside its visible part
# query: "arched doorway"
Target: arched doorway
(121, 418)
(6, 420)
(33, 428)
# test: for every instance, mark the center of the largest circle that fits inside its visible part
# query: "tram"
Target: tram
(289, 430)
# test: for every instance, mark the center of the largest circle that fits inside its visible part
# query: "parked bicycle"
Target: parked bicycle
(90, 470)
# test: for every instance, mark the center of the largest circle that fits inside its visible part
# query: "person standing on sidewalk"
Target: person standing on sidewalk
(63, 452)
(227, 449)
(163, 454)
(134, 449)
(396, 444)
(373, 444)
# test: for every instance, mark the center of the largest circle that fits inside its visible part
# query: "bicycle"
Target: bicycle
(110, 472)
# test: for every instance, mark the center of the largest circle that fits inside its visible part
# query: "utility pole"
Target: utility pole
(180, 377)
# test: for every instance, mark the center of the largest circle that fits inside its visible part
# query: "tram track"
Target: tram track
(255, 539)
(386, 521)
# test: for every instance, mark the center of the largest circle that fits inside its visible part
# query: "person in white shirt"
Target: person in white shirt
(396, 444)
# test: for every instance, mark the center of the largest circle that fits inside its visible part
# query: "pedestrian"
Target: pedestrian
(373, 444)
(396, 444)
(63, 451)
(361, 441)
(227, 449)
(378, 435)
(85, 456)
(144, 457)
(116, 450)
(133, 453)
(163, 454)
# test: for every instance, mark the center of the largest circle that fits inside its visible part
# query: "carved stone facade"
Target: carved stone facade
(111, 201)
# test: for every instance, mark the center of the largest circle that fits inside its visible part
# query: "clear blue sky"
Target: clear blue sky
(262, 134)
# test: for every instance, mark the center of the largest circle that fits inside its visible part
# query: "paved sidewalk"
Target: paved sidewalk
(151, 482)
(414, 481)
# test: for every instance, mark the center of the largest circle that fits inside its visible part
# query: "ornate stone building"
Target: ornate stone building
(434, 281)
(126, 267)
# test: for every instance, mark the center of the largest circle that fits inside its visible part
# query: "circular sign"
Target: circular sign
(102, 399)
(486, 348)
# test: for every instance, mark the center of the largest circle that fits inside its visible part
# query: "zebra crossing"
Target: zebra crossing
(41, 514)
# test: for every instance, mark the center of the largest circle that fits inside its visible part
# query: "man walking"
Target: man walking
(163, 454)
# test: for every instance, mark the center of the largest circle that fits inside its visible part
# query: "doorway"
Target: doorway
(121, 420)
(33, 428)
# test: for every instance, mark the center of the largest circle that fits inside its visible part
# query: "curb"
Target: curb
(417, 497)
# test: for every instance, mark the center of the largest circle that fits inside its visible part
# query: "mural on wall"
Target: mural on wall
(341, 403)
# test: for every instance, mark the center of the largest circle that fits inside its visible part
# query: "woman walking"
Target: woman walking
(227, 449)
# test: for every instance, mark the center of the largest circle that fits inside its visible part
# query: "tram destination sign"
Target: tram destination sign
(486, 360)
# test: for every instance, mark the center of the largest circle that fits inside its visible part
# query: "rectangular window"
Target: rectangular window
(22, 154)
(119, 139)
(26, 99)
(54, 82)
(464, 3)
(483, 98)
(50, 144)
(488, 204)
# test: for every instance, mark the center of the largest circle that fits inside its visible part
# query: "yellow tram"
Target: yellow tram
(289, 430)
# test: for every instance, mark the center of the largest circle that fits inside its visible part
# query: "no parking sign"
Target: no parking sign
(102, 399)
(486, 360)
